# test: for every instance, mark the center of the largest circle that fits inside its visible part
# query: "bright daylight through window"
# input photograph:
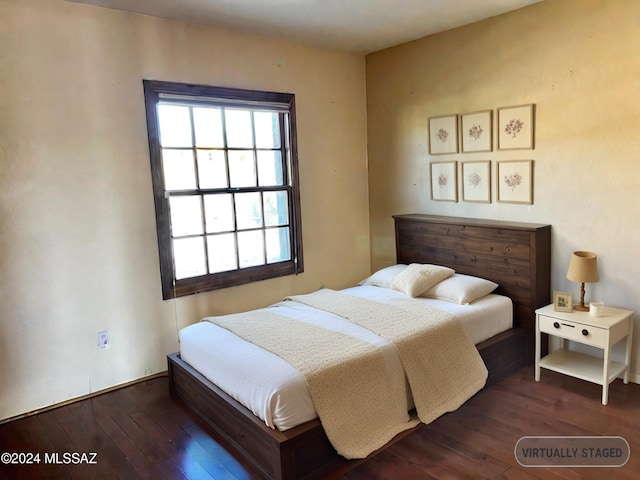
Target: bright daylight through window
(225, 180)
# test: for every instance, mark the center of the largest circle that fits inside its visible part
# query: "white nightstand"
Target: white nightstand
(602, 332)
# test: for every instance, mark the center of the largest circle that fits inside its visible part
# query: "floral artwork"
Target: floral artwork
(443, 135)
(476, 183)
(476, 132)
(475, 179)
(515, 127)
(444, 181)
(515, 181)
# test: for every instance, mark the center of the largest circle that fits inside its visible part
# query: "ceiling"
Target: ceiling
(361, 26)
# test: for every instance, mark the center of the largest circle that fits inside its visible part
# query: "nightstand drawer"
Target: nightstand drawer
(587, 334)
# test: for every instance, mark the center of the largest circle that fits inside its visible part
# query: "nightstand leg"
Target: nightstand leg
(537, 363)
(605, 376)
(628, 352)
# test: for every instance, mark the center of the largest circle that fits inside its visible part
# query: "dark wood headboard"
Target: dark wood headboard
(515, 255)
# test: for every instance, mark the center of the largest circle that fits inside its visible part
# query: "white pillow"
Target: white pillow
(384, 277)
(417, 278)
(461, 289)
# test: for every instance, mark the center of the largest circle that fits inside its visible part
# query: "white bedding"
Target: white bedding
(272, 389)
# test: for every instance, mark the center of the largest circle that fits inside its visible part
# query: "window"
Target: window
(225, 182)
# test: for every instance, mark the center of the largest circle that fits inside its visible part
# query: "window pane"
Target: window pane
(222, 253)
(278, 246)
(270, 168)
(242, 168)
(186, 215)
(179, 170)
(175, 126)
(276, 208)
(267, 129)
(251, 248)
(212, 169)
(208, 127)
(248, 211)
(238, 127)
(189, 257)
(218, 213)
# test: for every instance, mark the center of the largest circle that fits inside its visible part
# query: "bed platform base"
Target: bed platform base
(304, 452)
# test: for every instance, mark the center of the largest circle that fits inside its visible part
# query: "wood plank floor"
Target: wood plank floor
(141, 432)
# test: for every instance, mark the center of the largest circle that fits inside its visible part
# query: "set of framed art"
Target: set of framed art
(513, 178)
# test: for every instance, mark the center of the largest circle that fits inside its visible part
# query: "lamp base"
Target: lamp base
(581, 308)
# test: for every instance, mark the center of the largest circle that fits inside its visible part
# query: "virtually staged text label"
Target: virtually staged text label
(572, 451)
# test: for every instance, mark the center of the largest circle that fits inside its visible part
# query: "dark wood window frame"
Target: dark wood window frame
(154, 92)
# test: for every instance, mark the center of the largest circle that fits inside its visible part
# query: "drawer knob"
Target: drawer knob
(585, 332)
(556, 324)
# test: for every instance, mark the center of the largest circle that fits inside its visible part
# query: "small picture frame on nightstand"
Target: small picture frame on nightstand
(562, 302)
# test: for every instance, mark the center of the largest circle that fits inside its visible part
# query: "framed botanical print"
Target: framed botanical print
(475, 130)
(444, 181)
(516, 127)
(476, 181)
(443, 135)
(514, 181)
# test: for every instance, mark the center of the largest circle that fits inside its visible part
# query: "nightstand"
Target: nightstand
(601, 332)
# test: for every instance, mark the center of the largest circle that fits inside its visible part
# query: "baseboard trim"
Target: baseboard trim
(84, 397)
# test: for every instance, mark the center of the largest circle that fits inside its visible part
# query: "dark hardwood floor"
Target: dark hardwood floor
(141, 432)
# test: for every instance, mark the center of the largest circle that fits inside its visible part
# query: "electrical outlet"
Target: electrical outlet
(103, 339)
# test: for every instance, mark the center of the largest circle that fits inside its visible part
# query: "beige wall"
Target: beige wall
(77, 224)
(578, 61)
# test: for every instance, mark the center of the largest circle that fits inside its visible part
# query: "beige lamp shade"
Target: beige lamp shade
(583, 267)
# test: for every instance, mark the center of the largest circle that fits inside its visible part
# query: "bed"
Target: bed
(514, 255)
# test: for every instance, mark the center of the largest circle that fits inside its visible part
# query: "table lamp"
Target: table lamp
(583, 268)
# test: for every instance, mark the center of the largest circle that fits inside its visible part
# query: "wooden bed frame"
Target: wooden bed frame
(514, 255)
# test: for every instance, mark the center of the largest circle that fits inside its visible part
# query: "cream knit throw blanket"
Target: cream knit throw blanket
(443, 367)
(360, 402)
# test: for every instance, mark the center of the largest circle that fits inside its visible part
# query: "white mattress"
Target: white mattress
(271, 388)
